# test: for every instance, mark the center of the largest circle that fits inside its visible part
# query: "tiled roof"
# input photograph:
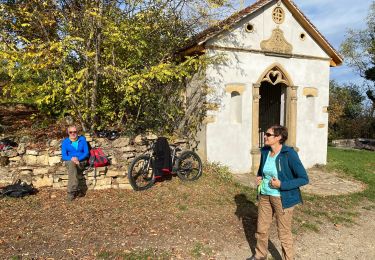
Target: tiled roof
(223, 25)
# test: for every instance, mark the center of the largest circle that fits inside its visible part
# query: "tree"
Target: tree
(359, 51)
(102, 61)
(347, 114)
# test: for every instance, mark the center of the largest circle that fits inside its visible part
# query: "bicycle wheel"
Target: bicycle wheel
(189, 166)
(141, 173)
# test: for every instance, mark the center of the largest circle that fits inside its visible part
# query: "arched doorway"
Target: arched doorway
(274, 102)
(272, 107)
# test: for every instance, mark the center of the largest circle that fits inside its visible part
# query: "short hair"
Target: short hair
(279, 130)
(72, 125)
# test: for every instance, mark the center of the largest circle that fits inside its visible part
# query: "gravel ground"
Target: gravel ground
(331, 243)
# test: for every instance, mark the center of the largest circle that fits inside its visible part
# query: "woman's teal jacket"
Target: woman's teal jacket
(291, 173)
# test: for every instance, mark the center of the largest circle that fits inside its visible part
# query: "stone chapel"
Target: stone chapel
(275, 70)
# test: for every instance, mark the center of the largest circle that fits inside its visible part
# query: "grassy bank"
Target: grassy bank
(340, 210)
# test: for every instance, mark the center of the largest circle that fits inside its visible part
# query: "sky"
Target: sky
(333, 18)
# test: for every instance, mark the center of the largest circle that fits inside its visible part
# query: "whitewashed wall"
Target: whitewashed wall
(230, 143)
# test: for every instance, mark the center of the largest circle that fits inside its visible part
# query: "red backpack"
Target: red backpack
(98, 158)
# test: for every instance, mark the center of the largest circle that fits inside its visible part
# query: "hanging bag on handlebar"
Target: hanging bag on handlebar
(163, 160)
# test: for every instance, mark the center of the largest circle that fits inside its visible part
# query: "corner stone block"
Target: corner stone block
(15, 159)
(42, 159)
(45, 181)
(121, 142)
(5, 177)
(30, 159)
(55, 153)
(114, 161)
(32, 152)
(64, 177)
(101, 170)
(128, 155)
(25, 168)
(125, 186)
(54, 143)
(40, 171)
(104, 182)
(138, 139)
(122, 180)
(61, 169)
(58, 185)
(56, 179)
(98, 177)
(54, 160)
(104, 187)
(114, 173)
(21, 149)
(25, 178)
(115, 186)
(26, 172)
(127, 149)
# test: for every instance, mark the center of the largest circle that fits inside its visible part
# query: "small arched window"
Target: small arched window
(235, 107)
(310, 106)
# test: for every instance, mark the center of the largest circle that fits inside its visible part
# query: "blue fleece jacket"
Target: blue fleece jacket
(291, 173)
(68, 151)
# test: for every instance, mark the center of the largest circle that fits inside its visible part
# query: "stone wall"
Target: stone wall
(359, 143)
(344, 143)
(44, 167)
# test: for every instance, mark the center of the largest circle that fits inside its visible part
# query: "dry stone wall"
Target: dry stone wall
(44, 168)
(359, 143)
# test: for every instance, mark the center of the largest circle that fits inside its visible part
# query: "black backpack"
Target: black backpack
(18, 190)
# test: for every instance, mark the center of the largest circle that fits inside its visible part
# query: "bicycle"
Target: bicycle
(187, 165)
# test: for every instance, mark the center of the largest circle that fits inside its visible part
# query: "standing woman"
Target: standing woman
(279, 177)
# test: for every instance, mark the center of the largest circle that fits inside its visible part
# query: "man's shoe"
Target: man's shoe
(80, 194)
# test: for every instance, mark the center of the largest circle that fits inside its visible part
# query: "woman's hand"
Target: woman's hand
(275, 183)
(259, 180)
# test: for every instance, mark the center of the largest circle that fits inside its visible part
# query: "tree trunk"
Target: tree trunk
(371, 96)
(94, 93)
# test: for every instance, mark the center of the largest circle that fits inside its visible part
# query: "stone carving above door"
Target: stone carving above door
(274, 77)
(277, 43)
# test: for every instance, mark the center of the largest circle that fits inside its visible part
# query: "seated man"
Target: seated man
(75, 151)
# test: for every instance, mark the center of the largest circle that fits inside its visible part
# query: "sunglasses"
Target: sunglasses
(72, 132)
(269, 135)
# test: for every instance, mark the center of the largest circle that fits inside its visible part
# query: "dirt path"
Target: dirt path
(208, 218)
(341, 242)
(332, 242)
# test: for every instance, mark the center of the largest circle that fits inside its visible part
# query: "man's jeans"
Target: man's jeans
(74, 175)
(267, 208)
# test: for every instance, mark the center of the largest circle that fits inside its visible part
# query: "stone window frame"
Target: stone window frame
(236, 109)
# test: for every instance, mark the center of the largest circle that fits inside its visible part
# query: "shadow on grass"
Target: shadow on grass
(248, 213)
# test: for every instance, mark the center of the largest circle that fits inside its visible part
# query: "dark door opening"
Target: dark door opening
(271, 107)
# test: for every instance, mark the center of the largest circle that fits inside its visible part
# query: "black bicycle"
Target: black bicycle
(186, 164)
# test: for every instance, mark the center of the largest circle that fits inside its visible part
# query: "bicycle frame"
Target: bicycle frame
(181, 164)
(174, 157)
